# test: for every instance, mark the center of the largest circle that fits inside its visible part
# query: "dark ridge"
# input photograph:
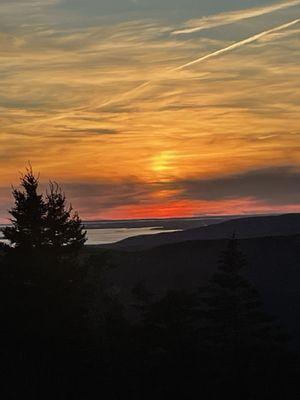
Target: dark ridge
(250, 227)
(272, 266)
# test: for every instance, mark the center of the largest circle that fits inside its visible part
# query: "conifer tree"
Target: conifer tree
(233, 306)
(28, 215)
(245, 351)
(64, 229)
(43, 222)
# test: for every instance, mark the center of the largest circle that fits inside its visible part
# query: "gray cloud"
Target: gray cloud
(233, 16)
(94, 197)
(275, 186)
(107, 194)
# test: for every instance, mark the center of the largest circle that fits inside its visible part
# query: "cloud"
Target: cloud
(273, 186)
(201, 59)
(232, 17)
(260, 190)
(25, 6)
(237, 45)
(238, 113)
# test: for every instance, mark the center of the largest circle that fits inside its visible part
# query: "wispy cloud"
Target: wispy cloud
(9, 6)
(116, 102)
(236, 45)
(201, 59)
(232, 17)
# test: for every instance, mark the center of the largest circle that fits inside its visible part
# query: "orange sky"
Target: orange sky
(102, 106)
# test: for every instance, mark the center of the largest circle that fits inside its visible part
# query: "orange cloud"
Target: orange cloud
(189, 208)
(232, 114)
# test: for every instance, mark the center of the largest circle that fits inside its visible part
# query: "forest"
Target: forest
(68, 333)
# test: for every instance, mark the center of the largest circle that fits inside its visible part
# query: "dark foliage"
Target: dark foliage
(64, 229)
(246, 352)
(28, 215)
(66, 334)
(43, 222)
(233, 309)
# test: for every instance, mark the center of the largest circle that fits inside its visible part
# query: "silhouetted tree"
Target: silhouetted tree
(245, 350)
(43, 222)
(233, 304)
(42, 283)
(64, 229)
(28, 215)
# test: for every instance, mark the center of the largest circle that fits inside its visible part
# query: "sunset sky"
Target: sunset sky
(153, 108)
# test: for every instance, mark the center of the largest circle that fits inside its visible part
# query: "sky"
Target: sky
(153, 108)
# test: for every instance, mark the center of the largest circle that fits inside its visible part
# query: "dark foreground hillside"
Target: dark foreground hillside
(180, 321)
(133, 325)
(273, 266)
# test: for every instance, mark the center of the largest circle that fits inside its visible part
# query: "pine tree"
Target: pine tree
(43, 222)
(245, 351)
(28, 215)
(64, 229)
(233, 306)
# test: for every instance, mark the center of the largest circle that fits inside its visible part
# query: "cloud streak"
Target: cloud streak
(236, 45)
(170, 143)
(232, 17)
(17, 6)
(214, 54)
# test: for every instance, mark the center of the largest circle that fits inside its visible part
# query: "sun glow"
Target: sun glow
(77, 102)
(163, 161)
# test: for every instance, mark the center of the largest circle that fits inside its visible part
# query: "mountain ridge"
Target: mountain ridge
(243, 228)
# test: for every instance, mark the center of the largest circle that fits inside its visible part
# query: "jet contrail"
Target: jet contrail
(231, 17)
(184, 66)
(206, 57)
(139, 87)
(236, 45)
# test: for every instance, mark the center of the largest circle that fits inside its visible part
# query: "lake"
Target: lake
(113, 235)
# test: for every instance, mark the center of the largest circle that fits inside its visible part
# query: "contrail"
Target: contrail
(126, 94)
(236, 45)
(206, 57)
(231, 17)
(186, 65)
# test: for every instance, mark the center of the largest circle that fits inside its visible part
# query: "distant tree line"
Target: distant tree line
(65, 334)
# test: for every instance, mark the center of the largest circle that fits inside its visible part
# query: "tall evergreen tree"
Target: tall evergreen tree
(43, 221)
(233, 306)
(246, 354)
(64, 229)
(28, 215)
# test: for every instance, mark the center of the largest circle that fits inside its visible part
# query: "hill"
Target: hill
(250, 227)
(273, 267)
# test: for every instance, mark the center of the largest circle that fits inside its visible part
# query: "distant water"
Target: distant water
(105, 236)
(111, 235)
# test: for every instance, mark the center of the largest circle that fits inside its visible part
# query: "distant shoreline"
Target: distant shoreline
(161, 223)
(166, 223)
